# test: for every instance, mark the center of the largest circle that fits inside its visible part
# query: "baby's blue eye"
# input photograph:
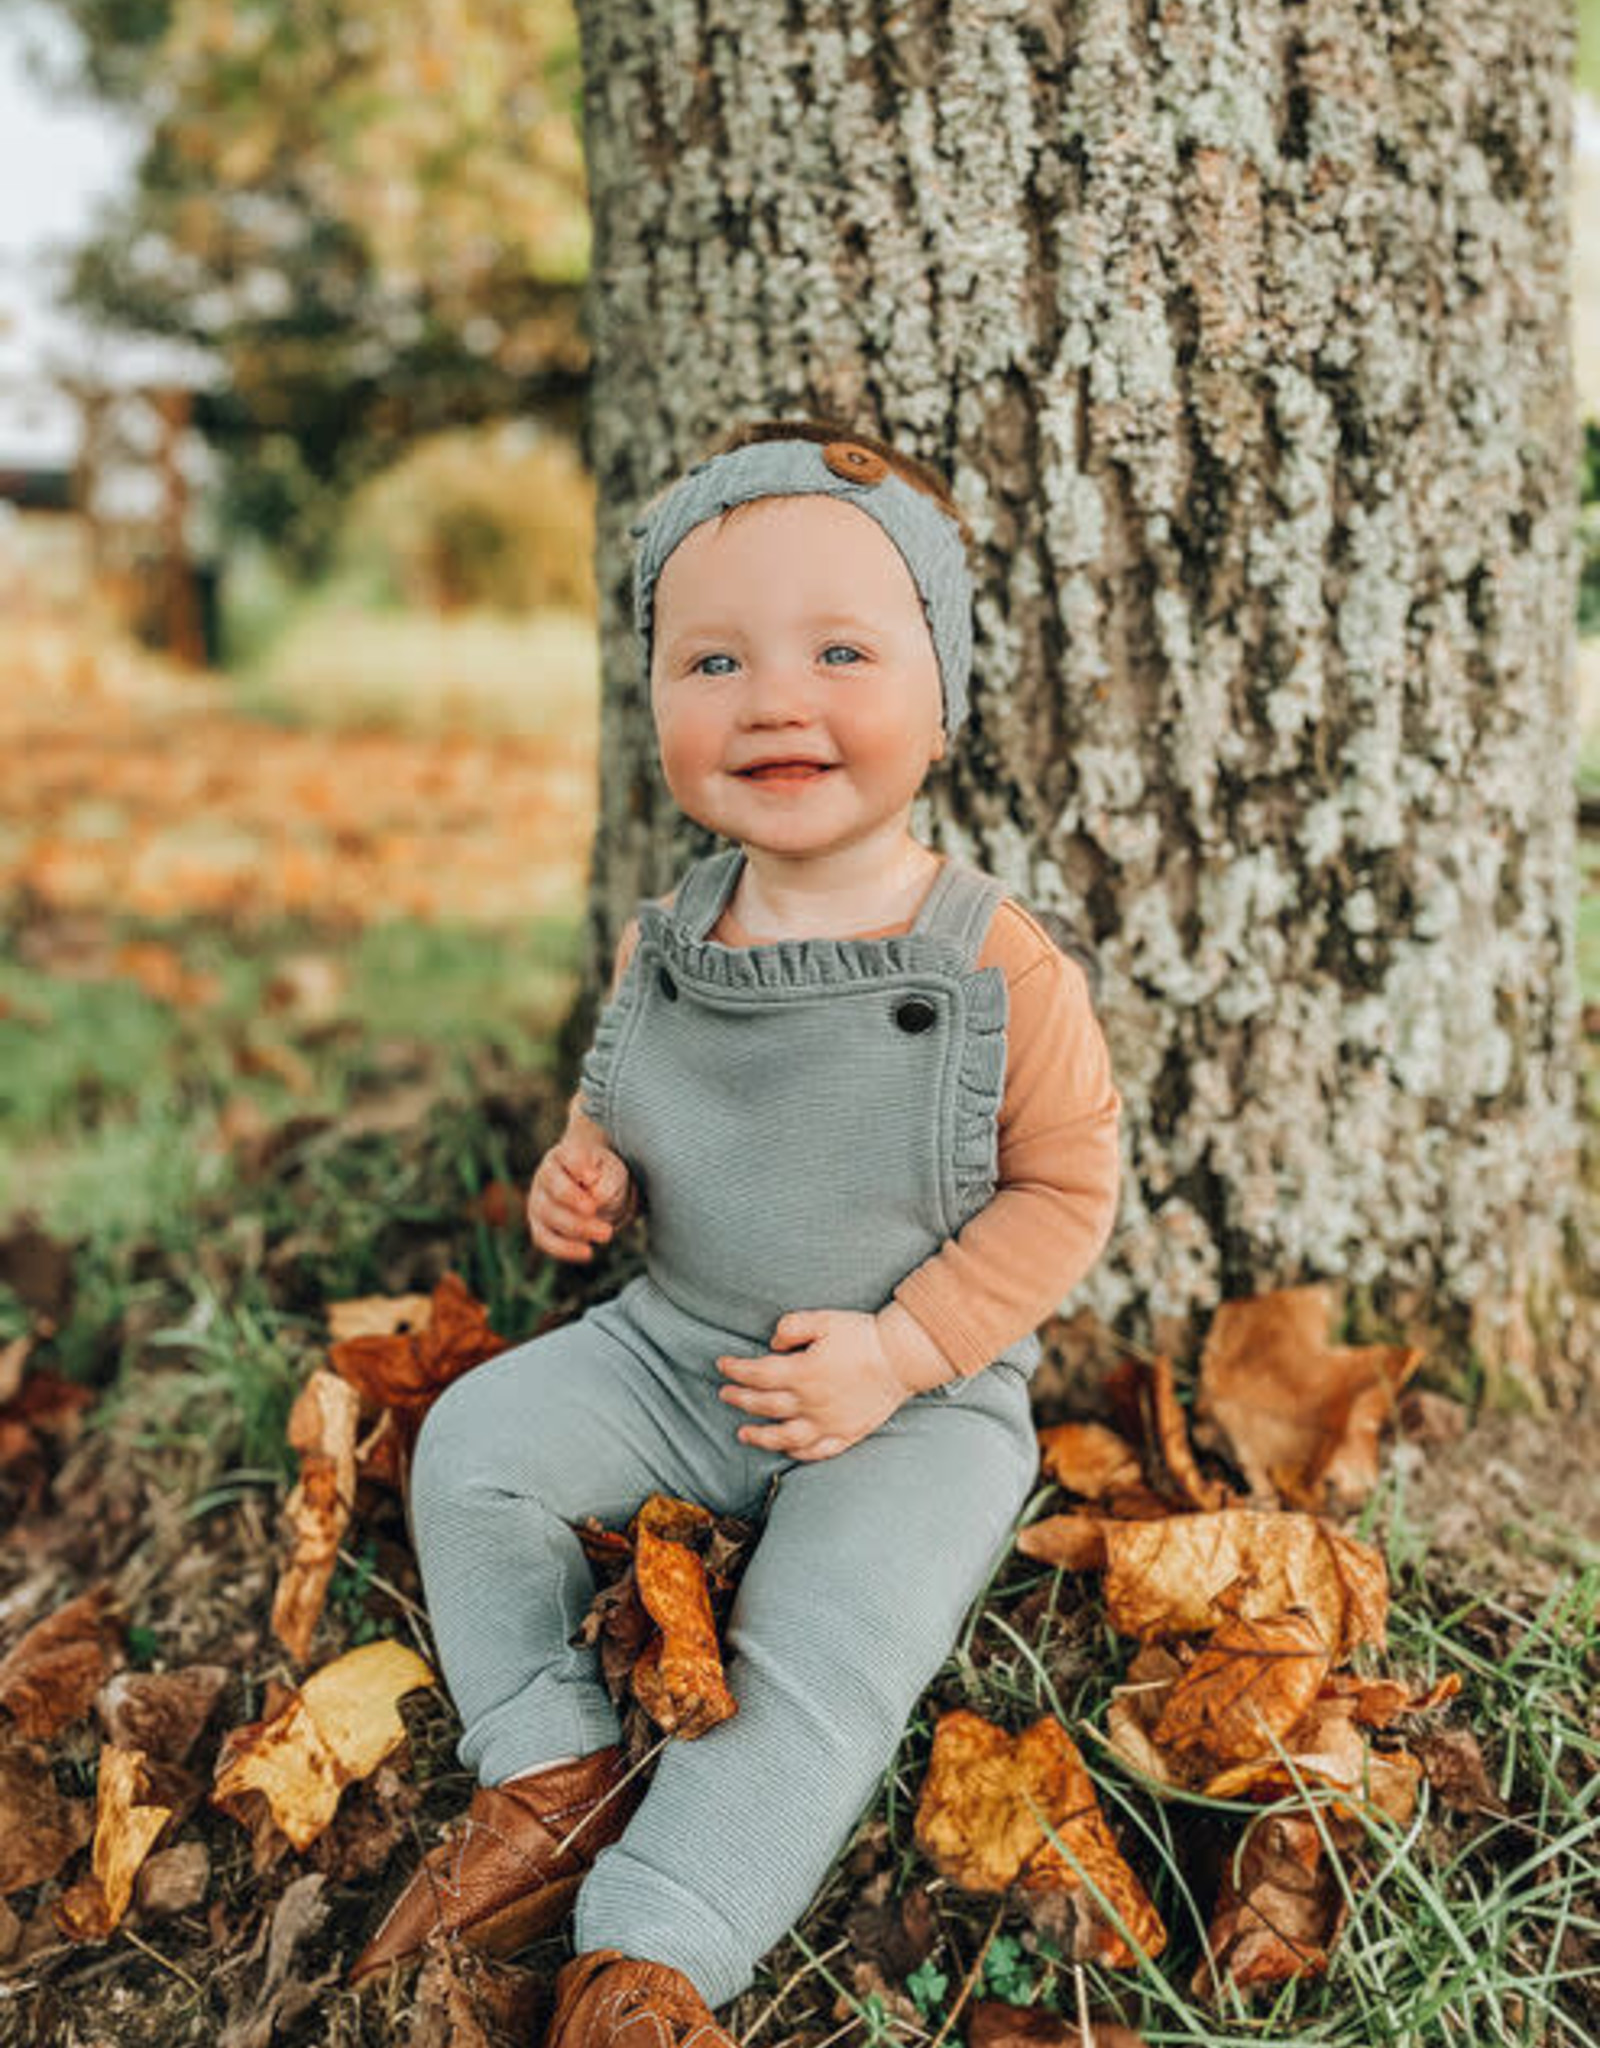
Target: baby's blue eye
(700, 664)
(839, 647)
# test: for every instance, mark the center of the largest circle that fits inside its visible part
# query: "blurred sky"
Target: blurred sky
(58, 158)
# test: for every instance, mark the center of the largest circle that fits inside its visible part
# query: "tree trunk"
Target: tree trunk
(1242, 332)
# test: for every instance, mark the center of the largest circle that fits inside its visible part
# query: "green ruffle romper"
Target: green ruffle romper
(808, 1121)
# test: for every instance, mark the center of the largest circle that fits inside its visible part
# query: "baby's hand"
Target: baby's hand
(828, 1377)
(581, 1193)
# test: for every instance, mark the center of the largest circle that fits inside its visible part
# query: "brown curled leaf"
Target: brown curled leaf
(678, 1676)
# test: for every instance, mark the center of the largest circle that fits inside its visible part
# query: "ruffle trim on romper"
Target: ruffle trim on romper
(797, 964)
(611, 1028)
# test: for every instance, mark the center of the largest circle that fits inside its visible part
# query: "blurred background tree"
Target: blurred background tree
(375, 217)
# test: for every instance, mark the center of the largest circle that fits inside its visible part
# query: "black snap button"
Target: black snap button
(667, 986)
(916, 1015)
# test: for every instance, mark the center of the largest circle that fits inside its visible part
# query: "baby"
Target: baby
(864, 1103)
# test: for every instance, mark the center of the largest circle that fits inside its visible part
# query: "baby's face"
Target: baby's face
(793, 632)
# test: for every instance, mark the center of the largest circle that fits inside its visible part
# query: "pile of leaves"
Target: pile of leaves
(1248, 1602)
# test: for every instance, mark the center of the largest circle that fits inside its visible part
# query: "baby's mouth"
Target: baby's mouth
(785, 771)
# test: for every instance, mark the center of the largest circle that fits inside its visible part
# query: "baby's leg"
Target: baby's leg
(588, 1419)
(849, 1605)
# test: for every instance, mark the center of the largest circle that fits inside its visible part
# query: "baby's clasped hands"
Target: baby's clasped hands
(827, 1382)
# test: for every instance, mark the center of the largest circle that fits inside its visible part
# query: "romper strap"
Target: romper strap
(959, 908)
(704, 891)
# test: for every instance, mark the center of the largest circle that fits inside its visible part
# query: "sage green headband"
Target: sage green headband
(929, 540)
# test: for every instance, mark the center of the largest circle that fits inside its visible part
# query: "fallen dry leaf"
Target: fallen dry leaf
(991, 2024)
(13, 1359)
(281, 1062)
(1327, 1747)
(125, 1831)
(1300, 1417)
(894, 1931)
(500, 1205)
(1137, 1705)
(1376, 1702)
(161, 1713)
(322, 1429)
(51, 1675)
(463, 2000)
(981, 1820)
(1247, 1688)
(309, 987)
(1077, 1543)
(678, 1676)
(408, 1369)
(1277, 1910)
(1188, 1574)
(161, 973)
(39, 1829)
(378, 1315)
(1088, 1458)
(338, 1727)
(43, 1415)
(1144, 1398)
(1453, 1764)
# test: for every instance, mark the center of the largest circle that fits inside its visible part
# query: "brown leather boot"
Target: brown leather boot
(509, 1870)
(608, 2000)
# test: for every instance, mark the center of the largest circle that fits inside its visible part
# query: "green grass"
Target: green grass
(109, 1098)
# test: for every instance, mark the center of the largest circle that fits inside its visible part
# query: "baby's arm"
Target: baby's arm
(1055, 1201)
(582, 1192)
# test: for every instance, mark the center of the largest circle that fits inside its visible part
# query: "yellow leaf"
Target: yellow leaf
(337, 1728)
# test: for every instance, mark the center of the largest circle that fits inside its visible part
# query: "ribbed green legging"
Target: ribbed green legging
(851, 1599)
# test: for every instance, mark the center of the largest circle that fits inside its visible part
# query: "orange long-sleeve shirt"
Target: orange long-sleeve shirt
(1055, 1198)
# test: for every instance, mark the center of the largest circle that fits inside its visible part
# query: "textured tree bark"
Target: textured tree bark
(1242, 332)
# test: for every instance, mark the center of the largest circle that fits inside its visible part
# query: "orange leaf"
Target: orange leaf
(1188, 1574)
(1137, 1705)
(51, 1675)
(322, 1428)
(500, 1205)
(340, 1725)
(1302, 1417)
(1075, 1542)
(1378, 1701)
(678, 1677)
(1088, 1458)
(1277, 1909)
(1326, 1747)
(406, 1371)
(124, 1834)
(1246, 1689)
(160, 972)
(378, 1315)
(1142, 1394)
(989, 1804)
